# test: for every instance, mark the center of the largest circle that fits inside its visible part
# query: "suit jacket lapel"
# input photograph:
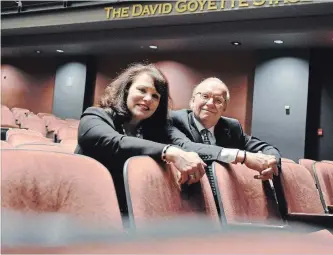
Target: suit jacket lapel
(194, 131)
(222, 134)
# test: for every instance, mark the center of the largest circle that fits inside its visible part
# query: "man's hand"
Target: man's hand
(189, 164)
(266, 165)
(268, 173)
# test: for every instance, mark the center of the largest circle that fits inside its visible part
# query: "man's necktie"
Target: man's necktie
(209, 170)
(205, 135)
(210, 175)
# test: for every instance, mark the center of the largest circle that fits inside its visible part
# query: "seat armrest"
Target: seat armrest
(257, 226)
(319, 220)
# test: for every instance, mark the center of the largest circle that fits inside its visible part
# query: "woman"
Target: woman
(131, 121)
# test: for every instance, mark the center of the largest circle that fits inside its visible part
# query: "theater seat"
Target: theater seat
(302, 197)
(42, 114)
(243, 198)
(55, 124)
(44, 181)
(153, 193)
(17, 139)
(47, 147)
(5, 145)
(48, 119)
(19, 114)
(35, 124)
(69, 144)
(7, 118)
(14, 131)
(300, 190)
(66, 133)
(323, 172)
(287, 160)
(308, 164)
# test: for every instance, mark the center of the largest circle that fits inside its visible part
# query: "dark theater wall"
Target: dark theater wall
(28, 83)
(281, 80)
(184, 70)
(320, 106)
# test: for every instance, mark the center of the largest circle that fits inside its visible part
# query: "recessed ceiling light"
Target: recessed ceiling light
(153, 46)
(38, 51)
(278, 41)
(60, 51)
(236, 43)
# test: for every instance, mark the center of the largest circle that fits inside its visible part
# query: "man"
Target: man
(205, 131)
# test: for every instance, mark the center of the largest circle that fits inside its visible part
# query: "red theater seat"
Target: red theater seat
(42, 114)
(5, 145)
(48, 119)
(70, 144)
(18, 139)
(302, 197)
(13, 131)
(35, 124)
(308, 164)
(44, 181)
(66, 133)
(323, 172)
(46, 147)
(153, 193)
(55, 124)
(19, 114)
(300, 190)
(287, 160)
(243, 198)
(7, 118)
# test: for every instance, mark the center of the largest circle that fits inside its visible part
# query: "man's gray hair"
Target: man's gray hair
(215, 80)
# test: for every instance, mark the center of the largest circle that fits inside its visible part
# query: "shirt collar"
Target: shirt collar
(200, 127)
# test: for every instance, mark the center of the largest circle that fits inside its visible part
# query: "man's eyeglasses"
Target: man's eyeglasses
(217, 100)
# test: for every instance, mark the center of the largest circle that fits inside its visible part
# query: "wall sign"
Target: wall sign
(191, 6)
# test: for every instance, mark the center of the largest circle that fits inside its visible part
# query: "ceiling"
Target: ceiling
(254, 34)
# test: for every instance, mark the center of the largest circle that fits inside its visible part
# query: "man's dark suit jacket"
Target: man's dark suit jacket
(101, 137)
(228, 133)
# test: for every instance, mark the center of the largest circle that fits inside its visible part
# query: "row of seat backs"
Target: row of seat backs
(153, 191)
(17, 137)
(44, 123)
(82, 187)
(54, 181)
(322, 176)
(67, 146)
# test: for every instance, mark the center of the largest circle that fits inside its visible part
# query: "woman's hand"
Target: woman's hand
(189, 164)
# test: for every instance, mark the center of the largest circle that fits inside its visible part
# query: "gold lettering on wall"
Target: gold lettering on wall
(243, 3)
(259, 2)
(191, 6)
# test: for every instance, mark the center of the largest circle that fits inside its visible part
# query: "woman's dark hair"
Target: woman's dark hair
(115, 95)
